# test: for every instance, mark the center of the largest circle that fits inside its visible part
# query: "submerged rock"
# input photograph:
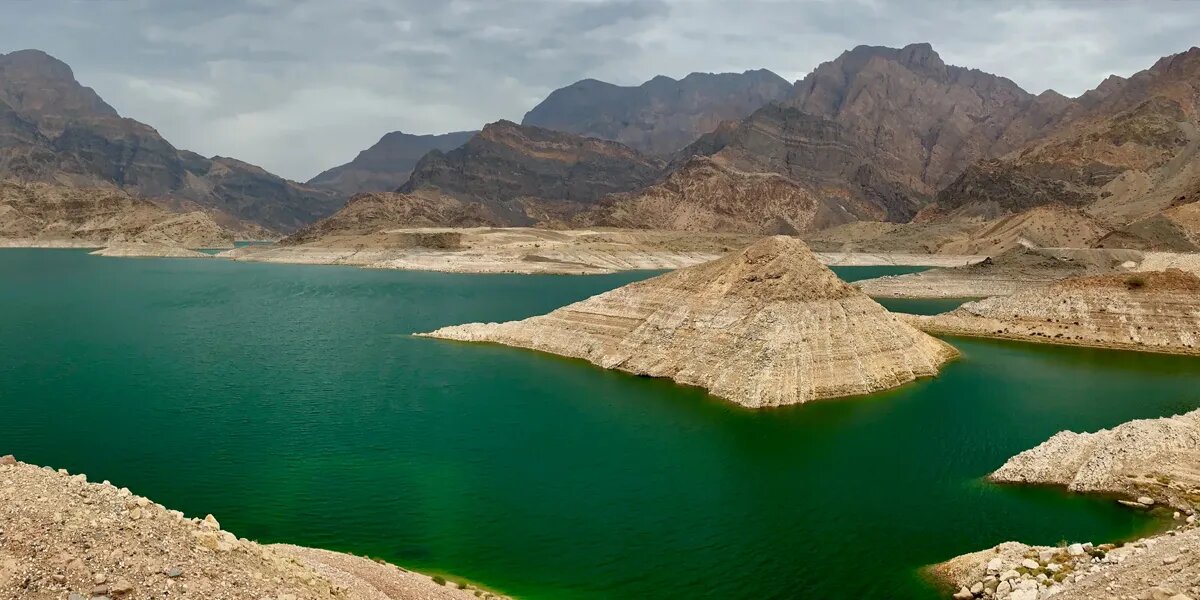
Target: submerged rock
(765, 326)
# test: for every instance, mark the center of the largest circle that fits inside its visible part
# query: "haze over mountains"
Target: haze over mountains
(877, 134)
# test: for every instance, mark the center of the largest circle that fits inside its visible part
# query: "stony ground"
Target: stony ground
(1162, 567)
(64, 538)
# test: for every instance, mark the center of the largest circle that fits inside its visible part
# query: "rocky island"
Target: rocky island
(1157, 311)
(768, 325)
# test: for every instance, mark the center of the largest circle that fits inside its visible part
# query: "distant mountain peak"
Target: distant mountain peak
(661, 115)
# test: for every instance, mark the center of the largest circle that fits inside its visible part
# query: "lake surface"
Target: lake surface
(291, 402)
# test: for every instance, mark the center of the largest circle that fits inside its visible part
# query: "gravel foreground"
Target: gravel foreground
(64, 538)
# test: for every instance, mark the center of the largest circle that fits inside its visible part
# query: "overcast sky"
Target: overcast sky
(298, 86)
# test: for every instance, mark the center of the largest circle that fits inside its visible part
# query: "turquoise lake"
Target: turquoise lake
(292, 402)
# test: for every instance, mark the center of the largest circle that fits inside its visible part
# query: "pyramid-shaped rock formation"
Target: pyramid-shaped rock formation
(765, 326)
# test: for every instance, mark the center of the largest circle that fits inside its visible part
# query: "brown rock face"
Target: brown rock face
(520, 174)
(1125, 151)
(386, 165)
(370, 213)
(814, 151)
(36, 214)
(765, 326)
(925, 120)
(661, 115)
(705, 195)
(53, 129)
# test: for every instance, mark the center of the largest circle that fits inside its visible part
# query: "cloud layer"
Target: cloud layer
(298, 86)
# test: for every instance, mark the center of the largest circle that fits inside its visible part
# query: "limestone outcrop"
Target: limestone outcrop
(764, 326)
(1157, 311)
(1154, 460)
(62, 537)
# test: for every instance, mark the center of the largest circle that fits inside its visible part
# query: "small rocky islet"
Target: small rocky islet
(767, 325)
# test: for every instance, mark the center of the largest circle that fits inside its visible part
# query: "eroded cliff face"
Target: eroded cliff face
(660, 116)
(387, 164)
(52, 129)
(524, 175)
(41, 214)
(764, 326)
(1126, 151)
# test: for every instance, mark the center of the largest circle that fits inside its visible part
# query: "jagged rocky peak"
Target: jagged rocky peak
(767, 325)
(661, 115)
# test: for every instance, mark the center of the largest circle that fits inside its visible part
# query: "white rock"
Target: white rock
(1076, 550)
(1145, 500)
(995, 565)
(1030, 564)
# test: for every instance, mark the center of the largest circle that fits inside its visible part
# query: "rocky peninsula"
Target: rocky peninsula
(1158, 311)
(64, 538)
(767, 325)
(1146, 463)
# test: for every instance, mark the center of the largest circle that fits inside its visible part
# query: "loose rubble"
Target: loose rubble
(62, 537)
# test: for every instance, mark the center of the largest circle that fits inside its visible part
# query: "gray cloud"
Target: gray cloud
(298, 86)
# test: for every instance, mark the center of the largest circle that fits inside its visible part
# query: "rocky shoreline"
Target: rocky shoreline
(1149, 312)
(64, 538)
(1147, 464)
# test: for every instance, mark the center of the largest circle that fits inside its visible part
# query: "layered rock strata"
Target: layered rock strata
(522, 175)
(1147, 461)
(502, 250)
(705, 195)
(63, 537)
(1156, 311)
(765, 326)
(39, 214)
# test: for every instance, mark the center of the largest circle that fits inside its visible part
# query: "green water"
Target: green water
(291, 402)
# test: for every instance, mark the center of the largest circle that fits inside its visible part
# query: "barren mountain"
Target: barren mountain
(768, 325)
(924, 120)
(523, 175)
(386, 165)
(705, 195)
(42, 214)
(880, 130)
(1127, 152)
(661, 115)
(373, 212)
(53, 129)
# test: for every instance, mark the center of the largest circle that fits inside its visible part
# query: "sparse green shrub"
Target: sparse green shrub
(438, 579)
